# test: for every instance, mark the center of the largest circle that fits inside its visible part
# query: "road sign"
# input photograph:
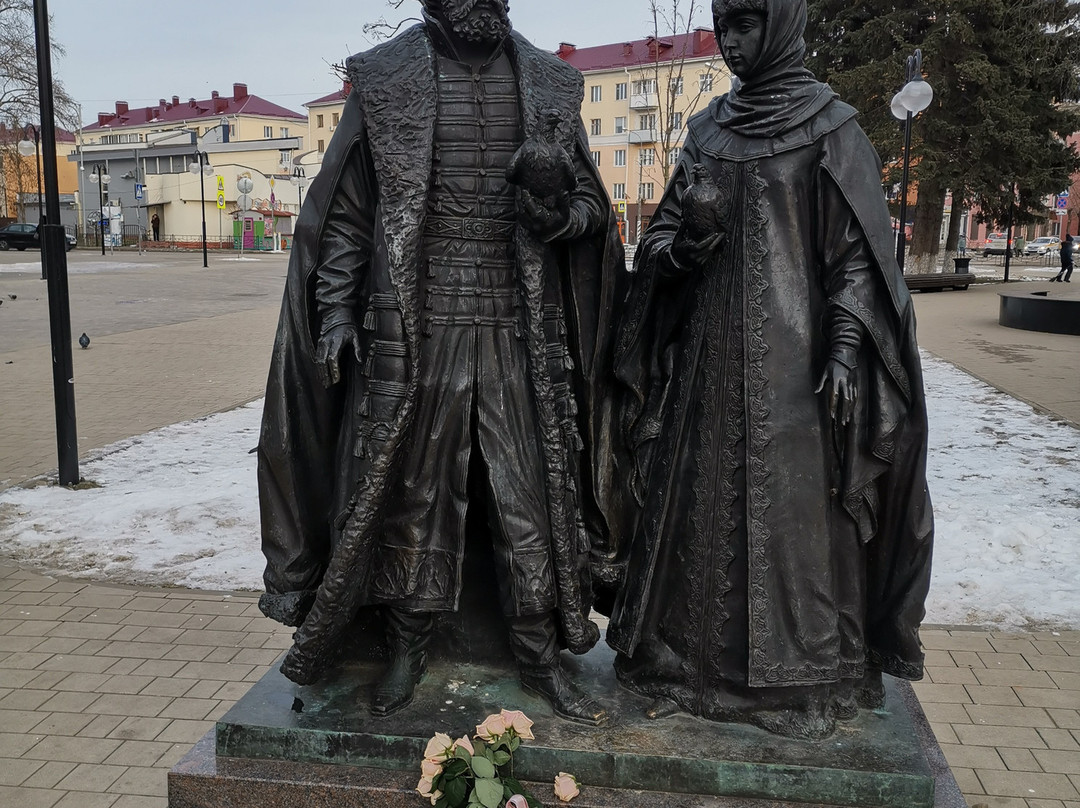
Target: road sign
(220, 183)
(620, 206)
(139, 190)
(244, 202)
(1062, 202)
(1065, 193)
(244, 185)
(221, 200)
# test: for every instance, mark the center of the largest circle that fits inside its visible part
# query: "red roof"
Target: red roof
(335, 97)
(15, 134)
(175, 111)
(699, 43)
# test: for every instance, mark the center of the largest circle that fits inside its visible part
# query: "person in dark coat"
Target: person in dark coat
(438, 318)
(776, 411)
(1066, 261)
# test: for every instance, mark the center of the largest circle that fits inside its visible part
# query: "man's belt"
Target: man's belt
(470, 229)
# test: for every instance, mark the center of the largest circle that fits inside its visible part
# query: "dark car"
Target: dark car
(20, 236)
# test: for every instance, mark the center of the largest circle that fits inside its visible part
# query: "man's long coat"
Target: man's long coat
(321, 503)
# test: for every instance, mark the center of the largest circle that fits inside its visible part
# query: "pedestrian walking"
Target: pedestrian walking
(155, 225)
(1066, 260)
(961, 246)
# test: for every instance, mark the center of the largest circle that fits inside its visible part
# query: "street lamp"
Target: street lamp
(915, 96)
(99, 178)
(200, 166)
(300, 181)
(26, 148)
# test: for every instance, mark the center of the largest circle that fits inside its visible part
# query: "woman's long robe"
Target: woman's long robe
(772, 549)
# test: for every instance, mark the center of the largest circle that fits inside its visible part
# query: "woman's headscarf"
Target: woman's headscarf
(778, 93)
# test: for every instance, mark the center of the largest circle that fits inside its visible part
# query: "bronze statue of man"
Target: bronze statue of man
(439, 316)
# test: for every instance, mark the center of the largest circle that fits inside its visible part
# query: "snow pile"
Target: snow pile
(178, 507)
(1005, 481)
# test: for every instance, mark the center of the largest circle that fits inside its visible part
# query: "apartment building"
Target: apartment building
(324, 115)
(638, 98)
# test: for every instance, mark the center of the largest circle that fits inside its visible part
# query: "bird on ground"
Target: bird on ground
(84, 341)
(14, 297)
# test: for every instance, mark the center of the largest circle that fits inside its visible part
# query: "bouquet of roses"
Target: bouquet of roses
(480, 772)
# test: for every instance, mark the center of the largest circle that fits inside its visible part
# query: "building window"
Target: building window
(596, 93)
(645, 190)
(232, 130)
(319, 121)
(268, 131)
(322, 146)
(596, 158)
(647, 121)
(673, 156)
(620, 157)
(706, 82)
(677, 85)
(286, 157)
(594, 126)
(620, 125)
(620, 91)
(644, 86)
(335, 118)
(676, 122)
(647, 157)
(284, 131)
(618, 190)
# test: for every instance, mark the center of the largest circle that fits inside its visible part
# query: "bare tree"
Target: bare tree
(675, 21)
(18, 69)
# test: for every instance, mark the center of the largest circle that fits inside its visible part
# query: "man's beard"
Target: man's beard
(488, 25)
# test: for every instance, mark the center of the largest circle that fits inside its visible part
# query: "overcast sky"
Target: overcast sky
(142, 50)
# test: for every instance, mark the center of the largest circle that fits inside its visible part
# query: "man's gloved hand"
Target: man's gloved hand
(332, 346)
(545, 217)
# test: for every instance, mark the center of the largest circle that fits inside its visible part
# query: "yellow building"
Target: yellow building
(638, 98)
(324, 114)
(19, 177)
(146, 154)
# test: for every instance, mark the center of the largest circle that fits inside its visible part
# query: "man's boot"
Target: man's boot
(533, 639)
(408, 634)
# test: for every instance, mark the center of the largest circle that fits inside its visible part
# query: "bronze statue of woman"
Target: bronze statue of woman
(782, 553)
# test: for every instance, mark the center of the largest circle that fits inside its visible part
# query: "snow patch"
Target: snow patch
(179, 507)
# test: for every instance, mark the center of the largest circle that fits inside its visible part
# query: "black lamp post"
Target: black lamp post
(53, 242)
(299, 180)
(915, 96)
(25, 147)
(200, 164)
(99, 178)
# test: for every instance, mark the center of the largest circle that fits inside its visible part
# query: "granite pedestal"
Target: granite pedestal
(283, 744)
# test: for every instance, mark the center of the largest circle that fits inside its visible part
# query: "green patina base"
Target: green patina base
(875, 761)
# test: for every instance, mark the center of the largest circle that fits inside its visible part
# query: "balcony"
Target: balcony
(644, 101)
(642, 136)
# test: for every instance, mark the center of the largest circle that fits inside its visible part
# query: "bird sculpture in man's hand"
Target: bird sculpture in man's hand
(84, 341)
(541, 166)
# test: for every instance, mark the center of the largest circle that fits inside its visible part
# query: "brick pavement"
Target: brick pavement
(102, 689)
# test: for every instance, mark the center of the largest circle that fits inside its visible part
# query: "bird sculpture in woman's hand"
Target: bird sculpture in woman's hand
(702, 205)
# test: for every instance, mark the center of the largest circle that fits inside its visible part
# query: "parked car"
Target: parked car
(20, 236)
(996, 244)
(1043, 245)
